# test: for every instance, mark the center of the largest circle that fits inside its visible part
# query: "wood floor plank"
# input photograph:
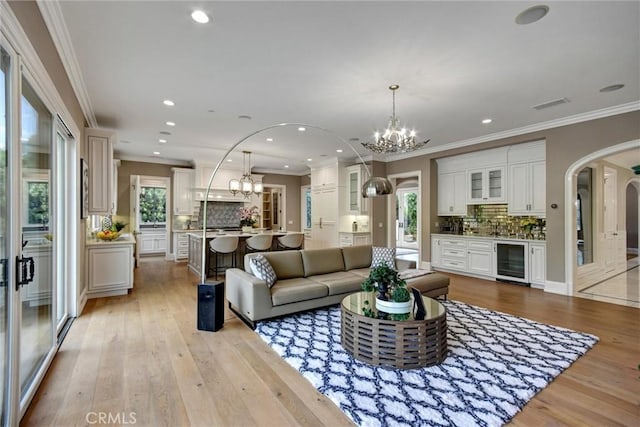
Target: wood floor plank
(141, 353)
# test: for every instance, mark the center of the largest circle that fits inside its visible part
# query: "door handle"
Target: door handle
(4, 279)
(25, 269)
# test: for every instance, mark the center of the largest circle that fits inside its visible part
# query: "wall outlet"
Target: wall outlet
(380, 225)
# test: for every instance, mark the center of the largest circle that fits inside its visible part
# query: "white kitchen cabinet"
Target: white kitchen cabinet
(180, 245)
(452, 194)
(453, 253)
(537, 263)
(355, 238)
(324, 217)
(152, 242)
(38, 291)
(325, 176)
(436, 252)
(182, 191)
(356, 204)
(101, 168)
(486, 185)
(480, 257)
(110, 268)
(527, 189)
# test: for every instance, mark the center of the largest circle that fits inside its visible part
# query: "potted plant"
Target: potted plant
(247, 220)
(392, 293)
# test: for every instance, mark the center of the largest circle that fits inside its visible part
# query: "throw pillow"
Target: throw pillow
(383, 256)
(263, 270)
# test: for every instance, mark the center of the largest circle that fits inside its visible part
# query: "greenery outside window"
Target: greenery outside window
(35, 206)
(153, 206)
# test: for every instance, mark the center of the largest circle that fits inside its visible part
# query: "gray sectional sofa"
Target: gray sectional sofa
(310, 278)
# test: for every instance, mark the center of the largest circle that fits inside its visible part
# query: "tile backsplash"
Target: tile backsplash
(221, 214)
(494, 220)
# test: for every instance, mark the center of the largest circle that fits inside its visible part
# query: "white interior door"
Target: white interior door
(610, 218)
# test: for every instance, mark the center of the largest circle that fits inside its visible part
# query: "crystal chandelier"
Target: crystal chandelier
(394, 140)
(245, 185)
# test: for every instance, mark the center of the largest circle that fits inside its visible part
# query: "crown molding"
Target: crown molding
(144, 159)
(578, 118)
(278, 172)
(54, 20)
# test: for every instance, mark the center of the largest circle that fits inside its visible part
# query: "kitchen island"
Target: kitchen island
(110, 265)
(195, 247)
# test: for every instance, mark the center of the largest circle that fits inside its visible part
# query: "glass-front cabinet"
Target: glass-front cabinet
(486, 185)
(356, 204)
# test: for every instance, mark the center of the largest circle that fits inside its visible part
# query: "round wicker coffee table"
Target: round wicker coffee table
(403, 344)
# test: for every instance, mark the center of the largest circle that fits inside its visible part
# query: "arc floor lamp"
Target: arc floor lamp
(373, 187)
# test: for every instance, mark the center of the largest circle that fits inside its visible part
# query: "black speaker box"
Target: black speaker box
(210, 306)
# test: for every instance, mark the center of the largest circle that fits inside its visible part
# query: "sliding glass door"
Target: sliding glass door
(38, 222)
(4, 229)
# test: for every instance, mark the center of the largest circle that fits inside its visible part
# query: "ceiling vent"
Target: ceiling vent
(550, 104)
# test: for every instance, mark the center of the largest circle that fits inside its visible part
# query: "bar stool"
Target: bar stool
(290, 241)
(258, 243)
(223, 245)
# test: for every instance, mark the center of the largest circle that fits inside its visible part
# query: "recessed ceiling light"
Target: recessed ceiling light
(244, 117)
(612, 88)
(531, 15)
(308, 160)
(168, 103)
(157, 153)
(302, 129)
(218, 196)
(269, 139)
(164, 132)
(487, 121)
(162, 141)
(354, 139)
(229, 160)
(211, 111)
(200, 17)
(338, 151)
(286, 166)
(170, 124)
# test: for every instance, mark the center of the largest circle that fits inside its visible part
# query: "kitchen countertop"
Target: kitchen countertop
(487, 237)
(213, 234)
(124, 239)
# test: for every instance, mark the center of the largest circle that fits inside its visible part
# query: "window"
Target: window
(153, 205)
(35, 205)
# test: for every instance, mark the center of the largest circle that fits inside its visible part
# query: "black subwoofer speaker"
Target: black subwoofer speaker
(210, 306)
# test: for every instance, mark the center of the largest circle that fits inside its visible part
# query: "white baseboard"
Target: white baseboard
(632, 251)
(556, 287)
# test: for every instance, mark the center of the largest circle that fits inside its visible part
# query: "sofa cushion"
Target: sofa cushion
(286, 264)
(294, 290)
(263, 270)
(322, 261)
(362, 272)
(341, 282)
(356, 257)
(383, 256)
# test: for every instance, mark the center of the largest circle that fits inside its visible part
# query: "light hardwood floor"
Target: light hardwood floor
(142, 353)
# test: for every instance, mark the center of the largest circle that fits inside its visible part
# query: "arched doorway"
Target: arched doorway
(571, 211)
(632, 221)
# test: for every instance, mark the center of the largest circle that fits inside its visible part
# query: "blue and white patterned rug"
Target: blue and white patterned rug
(496, 363)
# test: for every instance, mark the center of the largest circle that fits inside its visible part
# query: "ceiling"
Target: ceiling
(329, 64)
